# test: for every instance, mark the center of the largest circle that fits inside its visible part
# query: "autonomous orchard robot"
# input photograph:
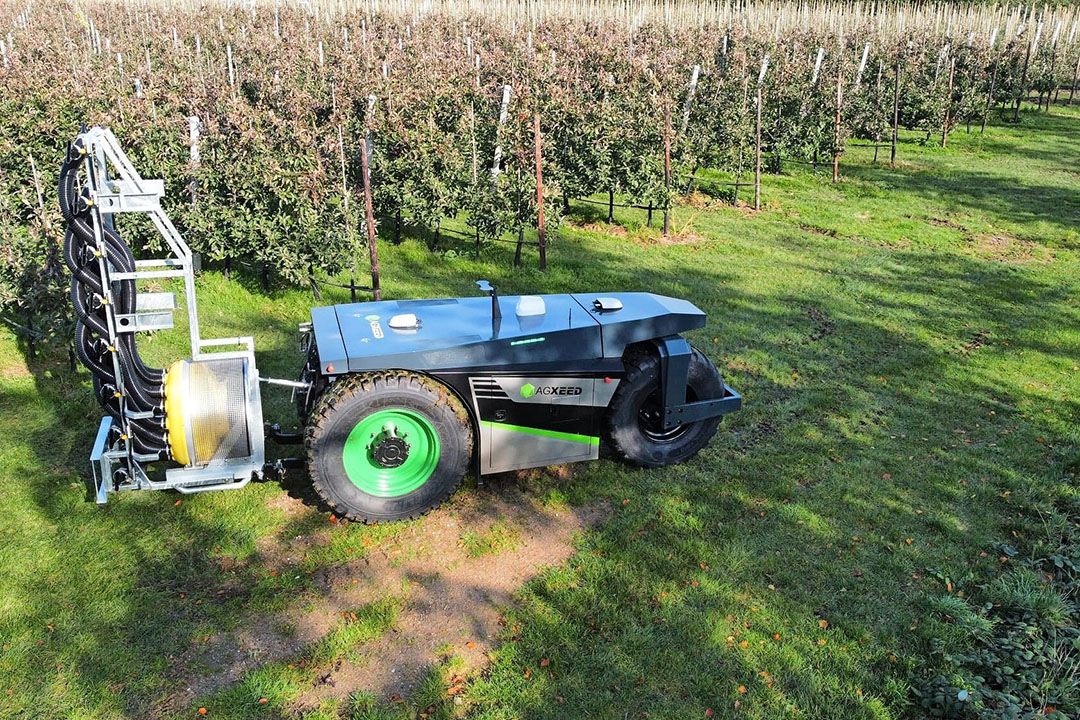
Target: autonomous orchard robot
(398, 399)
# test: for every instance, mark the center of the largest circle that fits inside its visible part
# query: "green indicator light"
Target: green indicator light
(527, 342)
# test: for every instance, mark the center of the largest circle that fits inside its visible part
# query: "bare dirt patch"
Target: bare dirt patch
(823, 324)
(605, 229)
(225, 657)
(946, 223)
(978, 340)
(815, 230)
(682, 237)
(454, 599)
(696, 199)
(14, 369)
(1008, 249)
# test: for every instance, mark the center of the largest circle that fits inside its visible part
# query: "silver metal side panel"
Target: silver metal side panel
(513, 448)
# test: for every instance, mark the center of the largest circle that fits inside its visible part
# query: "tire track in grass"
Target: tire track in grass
(451, 575)
(460, 572)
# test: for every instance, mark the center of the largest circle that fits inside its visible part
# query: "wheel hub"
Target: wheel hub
(651, 418)
(390, 452)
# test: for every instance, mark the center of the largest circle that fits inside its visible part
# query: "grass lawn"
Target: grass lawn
(908, 346)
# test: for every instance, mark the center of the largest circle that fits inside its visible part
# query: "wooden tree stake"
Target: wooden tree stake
(837, 136)
(667, 169)
(232, 69)
(895, 113)
(540, 231)
(349, 234)
(948, 103)
(369, 221)
(757, 150)
(989, 95)
(1076, 78)
(194, 128)
(1021, 90)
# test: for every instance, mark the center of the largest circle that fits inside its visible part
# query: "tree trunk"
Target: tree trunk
(1053, 80)
(989, 96)
(1023, 84)
(31, 341)
(315, 291)
(520, 242)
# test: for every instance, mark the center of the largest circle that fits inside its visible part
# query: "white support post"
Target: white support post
(369, 121)
(690, 98)
(862, 64)
(194, 128)
(758, 101)
(503, 109)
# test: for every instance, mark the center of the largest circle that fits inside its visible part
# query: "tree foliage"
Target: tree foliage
(286, 96)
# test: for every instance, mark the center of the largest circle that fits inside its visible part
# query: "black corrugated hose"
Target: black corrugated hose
(143, 385)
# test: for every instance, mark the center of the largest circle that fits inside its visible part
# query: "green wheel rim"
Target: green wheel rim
(374, 478)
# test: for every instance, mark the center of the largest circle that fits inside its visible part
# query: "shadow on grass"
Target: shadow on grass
(868, 422)
(1025, 197)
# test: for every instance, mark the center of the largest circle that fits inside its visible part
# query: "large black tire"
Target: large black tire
(346, 403)
(633, 430)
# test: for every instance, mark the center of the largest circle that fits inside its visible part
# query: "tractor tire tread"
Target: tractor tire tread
(642, 362)
(365, 382)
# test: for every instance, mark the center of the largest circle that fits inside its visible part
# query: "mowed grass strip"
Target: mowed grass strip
(906, 343)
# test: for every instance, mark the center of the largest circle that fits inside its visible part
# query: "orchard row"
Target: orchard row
(258, 116)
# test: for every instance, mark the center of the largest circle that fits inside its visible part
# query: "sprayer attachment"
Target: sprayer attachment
(204, 413)
(207, 408)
